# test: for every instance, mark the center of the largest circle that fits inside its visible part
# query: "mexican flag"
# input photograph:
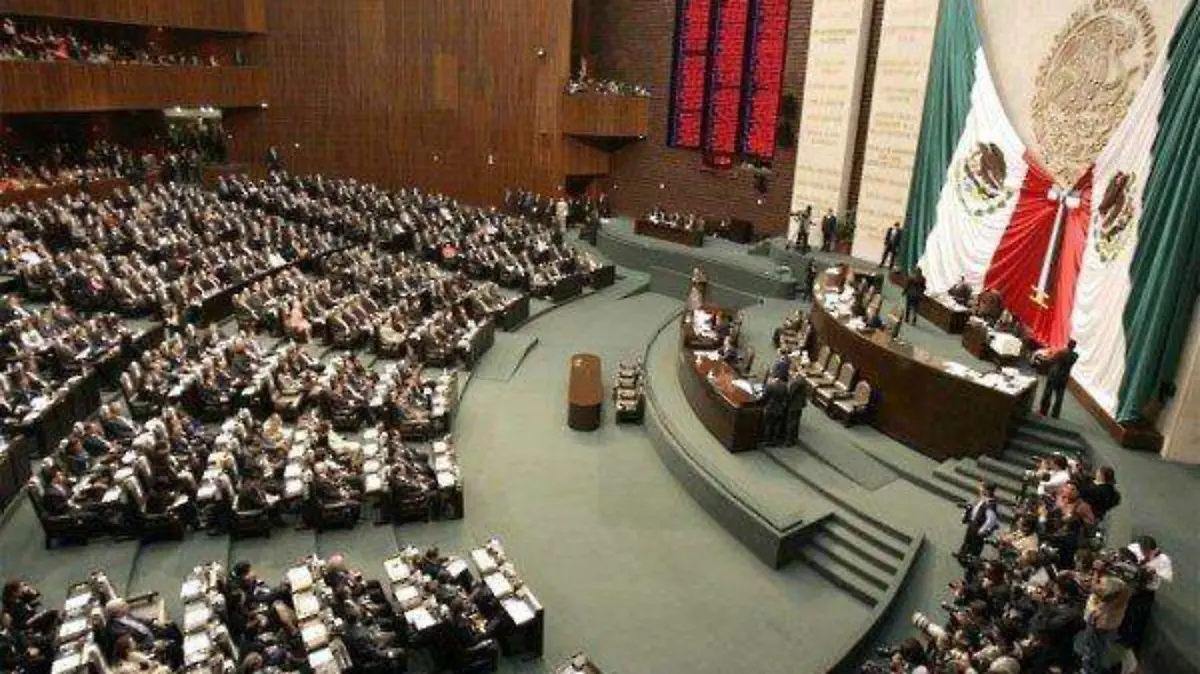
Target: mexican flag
(1110, 260)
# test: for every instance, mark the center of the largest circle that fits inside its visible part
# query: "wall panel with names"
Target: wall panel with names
(902, 70)
(836, 59)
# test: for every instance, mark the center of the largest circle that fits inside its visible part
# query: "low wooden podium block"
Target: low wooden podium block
(585, 392)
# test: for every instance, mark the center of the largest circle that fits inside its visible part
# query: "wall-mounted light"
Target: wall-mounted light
(540, 52)
(437, 157)
(263, 105)
(662, 186)
(760, 202)
(491, 159)
(296, 145)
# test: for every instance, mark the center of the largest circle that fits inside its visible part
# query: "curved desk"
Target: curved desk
(585, 393)
(917, 401)
(732, 415)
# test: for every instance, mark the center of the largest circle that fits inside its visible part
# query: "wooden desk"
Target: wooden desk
(732, 415)
(685, 237)
(585, 392)
(917, 401)
(736, 230)
(566, 288)
(947, 318)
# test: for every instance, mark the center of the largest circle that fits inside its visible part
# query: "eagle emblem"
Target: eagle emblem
(1113, 220)
(980, 180)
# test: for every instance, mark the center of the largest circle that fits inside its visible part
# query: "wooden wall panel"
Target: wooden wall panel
(71, 87)
(581, 159)
(245, 16)
(419, 92)
(610, 116)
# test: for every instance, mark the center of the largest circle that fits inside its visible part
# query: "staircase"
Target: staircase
(956, 479)
(857, 555)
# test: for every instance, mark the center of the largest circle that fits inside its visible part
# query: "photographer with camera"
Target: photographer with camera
(982, 520)
(1102, 615)
(1155, 569)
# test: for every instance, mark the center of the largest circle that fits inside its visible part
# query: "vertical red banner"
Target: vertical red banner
(693, 24)
(727, 60)
(764, 76)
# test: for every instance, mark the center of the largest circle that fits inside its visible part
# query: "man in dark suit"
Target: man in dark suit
(914, 290)
(797, 399)
(780, 368)
(775, 400)
(1056, 380)
(982, 520)
(828, 230)
(57, 498)
(891, 244)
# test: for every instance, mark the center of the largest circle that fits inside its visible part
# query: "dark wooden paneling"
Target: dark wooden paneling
(72, 87)
(420, 92)
(246, 16)
(634, 40)
(607, 116)
(581, 159)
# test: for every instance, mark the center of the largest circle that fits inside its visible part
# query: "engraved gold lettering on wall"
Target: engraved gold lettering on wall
(1086, 82)
(901, 71)
(833, 87)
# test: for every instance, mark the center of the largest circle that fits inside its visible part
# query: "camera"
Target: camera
(928, 627)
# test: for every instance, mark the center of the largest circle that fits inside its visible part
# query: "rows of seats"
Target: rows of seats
(629, 394)
(322, 616)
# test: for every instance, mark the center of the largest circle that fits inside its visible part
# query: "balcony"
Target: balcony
(238, 16)
(606, 116)
(76, 87)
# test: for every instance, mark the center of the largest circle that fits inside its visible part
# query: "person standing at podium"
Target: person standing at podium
(797, 399)
(1056, 380)
(775, 408)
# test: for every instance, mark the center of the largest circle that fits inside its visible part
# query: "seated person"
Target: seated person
(960, 291)
(988, 305)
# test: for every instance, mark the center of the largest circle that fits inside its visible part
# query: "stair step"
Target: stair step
(1050, 425)
(849, 559)
(863, 548)
(1017, 458)
(840, 575)
(850, 525)
(1030, 448)
(1004, 483)
(996, 465)
(1050, 442)
(960, 474)
(967, 486)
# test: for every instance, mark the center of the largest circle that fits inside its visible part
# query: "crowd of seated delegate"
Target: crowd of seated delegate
(46, 348)
(323, 615)
(399, 307)
(604, 87)
(62, 164)
(22, 40)
(159, 477)
(1048, 594)
(483, 243)
(158, 250)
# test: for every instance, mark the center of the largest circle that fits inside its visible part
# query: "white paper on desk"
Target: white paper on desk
(68, 662)
(446, 480)
(396, 569)
(314, 634)
(406, 595)
(456, 567)
(420, 619)
(306, 604)
(72, 628)
(499, 585)
(442, 463)
(77, 603)
(300, 578)
(483, 560)
(196, 647)
(196, 617)
(372, 483)
(519, 611)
